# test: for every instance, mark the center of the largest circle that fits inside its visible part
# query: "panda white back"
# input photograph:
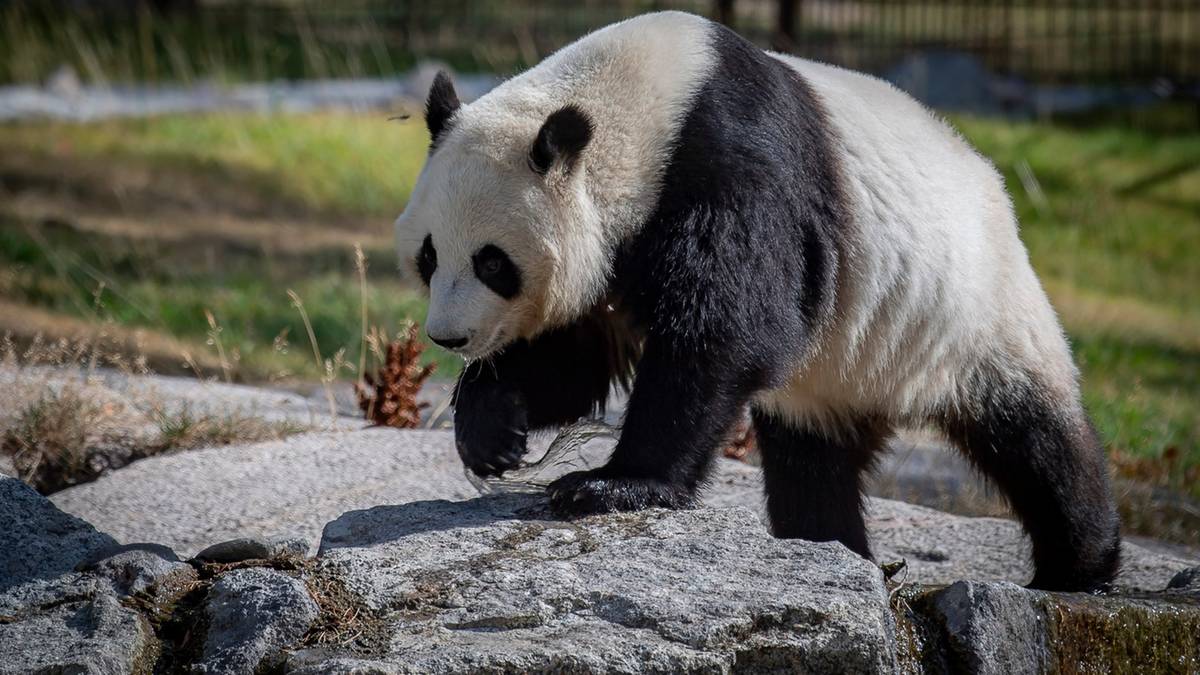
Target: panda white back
(935, 270)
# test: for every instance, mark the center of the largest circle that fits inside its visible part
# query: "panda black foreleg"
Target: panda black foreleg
(680, 412)
(1044, 454)
(813, 478)
(554, 379)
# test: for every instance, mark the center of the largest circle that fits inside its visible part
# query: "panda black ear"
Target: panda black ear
(442, 104)
(564, 134)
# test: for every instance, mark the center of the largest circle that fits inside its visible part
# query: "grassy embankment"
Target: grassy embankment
(148, 224)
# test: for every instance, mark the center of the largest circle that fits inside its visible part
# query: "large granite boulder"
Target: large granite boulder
(293, 487)
(496, 585)
(404, 583)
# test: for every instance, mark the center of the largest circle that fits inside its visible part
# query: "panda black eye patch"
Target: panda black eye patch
(494, 268)
(427, 259)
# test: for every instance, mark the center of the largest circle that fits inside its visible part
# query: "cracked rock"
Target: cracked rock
(140, 568)
(74, 624)
(993, 627)
(492, 584)
(998, 627)
(253, 614)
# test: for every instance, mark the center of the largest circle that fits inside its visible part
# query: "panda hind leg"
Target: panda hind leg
(814, 478)
(1043, 453)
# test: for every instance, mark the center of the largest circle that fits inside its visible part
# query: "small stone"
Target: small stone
(140, 568)
(253, 615)
(254, 548)
(1187, 580)
(992, 627)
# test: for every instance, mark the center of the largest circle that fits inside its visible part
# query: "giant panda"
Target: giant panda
(663, 205)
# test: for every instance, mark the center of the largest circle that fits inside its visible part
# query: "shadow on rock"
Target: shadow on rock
(38, 541)
(383, 524)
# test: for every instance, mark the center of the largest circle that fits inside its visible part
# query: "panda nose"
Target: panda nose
(449, 343)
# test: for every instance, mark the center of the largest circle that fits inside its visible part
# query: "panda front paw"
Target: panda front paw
(490, 429)
(587, 492)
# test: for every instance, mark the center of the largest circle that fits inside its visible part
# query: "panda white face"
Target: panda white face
(469, 235)
(500, 228)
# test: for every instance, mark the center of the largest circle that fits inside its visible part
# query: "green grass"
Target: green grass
(1116, 250)
(328, 163)
(1120, 254)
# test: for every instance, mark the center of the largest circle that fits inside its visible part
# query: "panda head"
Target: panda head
(500, 228)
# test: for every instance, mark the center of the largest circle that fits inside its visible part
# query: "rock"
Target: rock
(942, 548)
(992, 628)
(287, 488)
(293, 487)
(251, 548)
(1187, 580)
(38, 541)
(492, 584)
(141, 568)
(75, 624)
(252, 615)
(1003, 628)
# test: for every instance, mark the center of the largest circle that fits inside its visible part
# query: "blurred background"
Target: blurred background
(184, 183)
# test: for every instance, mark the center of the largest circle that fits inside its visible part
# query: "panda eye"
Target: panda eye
(427, 259)
(494, 268)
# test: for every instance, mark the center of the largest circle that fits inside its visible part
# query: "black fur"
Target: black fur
(564, 134)
(813, 480)
(1045, 456)
(427, 260)
(730, 271)
(557, 378)
(496, 270)
(440, 107)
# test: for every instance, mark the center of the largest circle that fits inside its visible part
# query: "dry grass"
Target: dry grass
(49, 443)
(62, 426)
(61, 339)
(67, 437)
(184, 430)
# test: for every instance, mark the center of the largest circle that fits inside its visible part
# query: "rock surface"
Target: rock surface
(252, 615)
(417, 573)
(293, 487)
(74, 624)
(141, 568)
(983, 627)
(1187, 580)
(493, 585)
(38, 541)
(287, 488)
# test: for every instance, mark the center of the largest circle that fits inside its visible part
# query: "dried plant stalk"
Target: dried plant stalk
(389, 397)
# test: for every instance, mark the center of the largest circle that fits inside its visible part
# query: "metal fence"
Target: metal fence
(1047, 41)
(1042, 41)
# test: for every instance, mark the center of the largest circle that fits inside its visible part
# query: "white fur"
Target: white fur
(933, 287)
(634, 80)
(934, 284)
